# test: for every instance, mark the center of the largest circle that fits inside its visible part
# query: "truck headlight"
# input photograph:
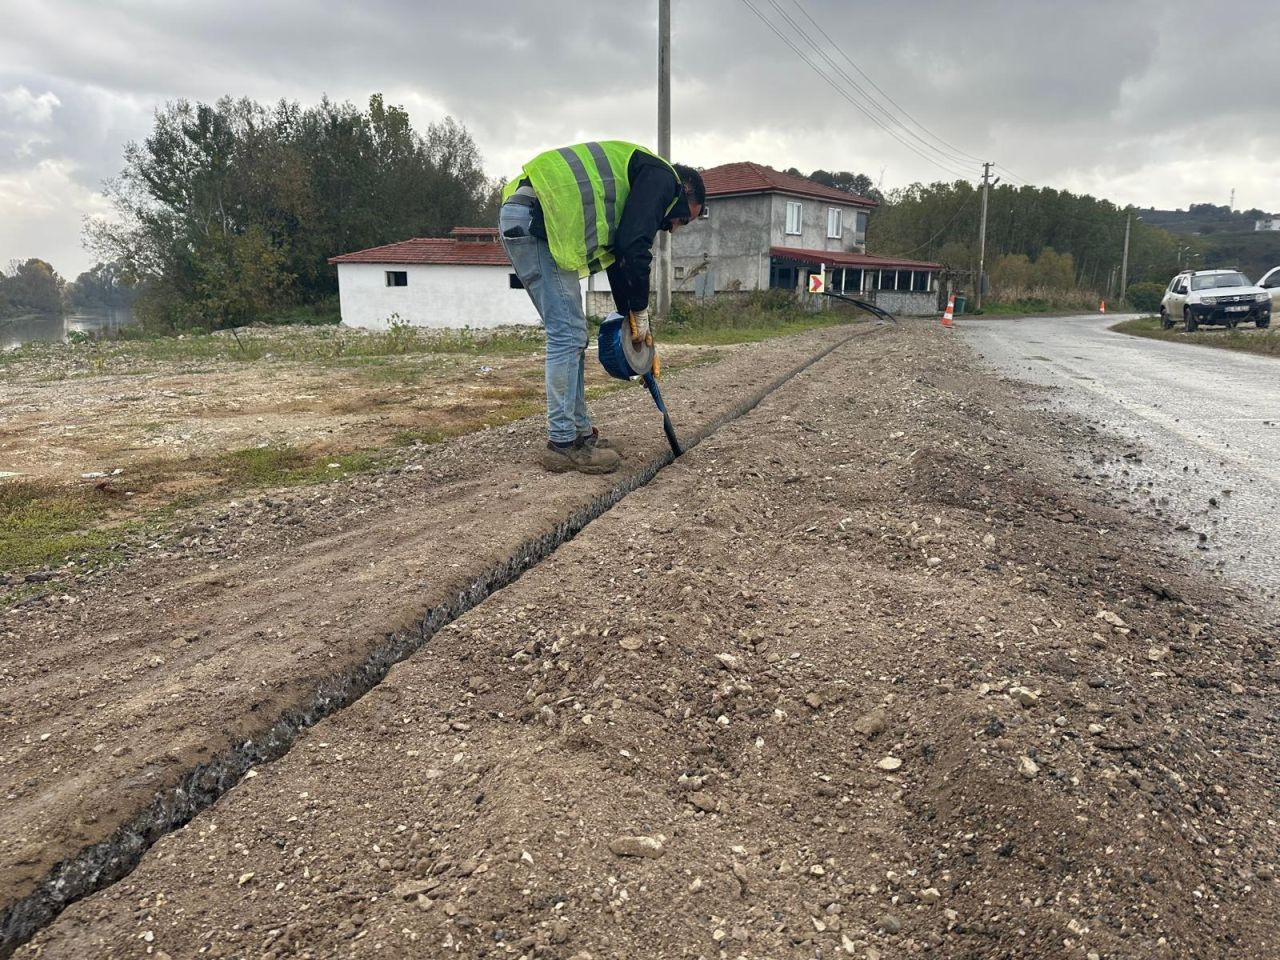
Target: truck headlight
(1209, 300)
(1261, 297)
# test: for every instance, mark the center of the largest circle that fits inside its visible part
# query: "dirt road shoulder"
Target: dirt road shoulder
(869, 672)
(135, 682)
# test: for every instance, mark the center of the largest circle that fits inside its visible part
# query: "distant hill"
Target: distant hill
(1253, 254)
(1203, 219)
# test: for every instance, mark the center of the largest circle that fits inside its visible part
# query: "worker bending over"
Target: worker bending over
(572, 212)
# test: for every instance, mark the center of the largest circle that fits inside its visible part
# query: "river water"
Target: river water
(16, 332)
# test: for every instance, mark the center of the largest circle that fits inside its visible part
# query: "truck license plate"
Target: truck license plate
(1237, 309)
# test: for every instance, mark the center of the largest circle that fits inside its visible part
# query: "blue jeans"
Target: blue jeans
(557, 296)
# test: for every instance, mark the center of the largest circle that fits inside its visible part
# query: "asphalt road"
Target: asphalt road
(1205, 422)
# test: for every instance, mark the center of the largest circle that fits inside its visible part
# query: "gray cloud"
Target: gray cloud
(1142, 102)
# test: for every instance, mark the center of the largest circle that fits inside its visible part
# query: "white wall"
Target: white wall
(437, 295)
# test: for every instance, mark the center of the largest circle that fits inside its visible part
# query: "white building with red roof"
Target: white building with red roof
(463, 280)
(764, 229)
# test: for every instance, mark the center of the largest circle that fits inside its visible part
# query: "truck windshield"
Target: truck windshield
(1212, 280)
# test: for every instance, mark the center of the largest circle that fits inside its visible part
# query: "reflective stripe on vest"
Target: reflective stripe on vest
(590, 216)
(583, 191)
(610, 188)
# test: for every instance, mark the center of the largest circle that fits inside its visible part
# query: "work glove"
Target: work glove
(640, 333)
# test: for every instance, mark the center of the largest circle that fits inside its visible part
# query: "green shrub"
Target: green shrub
(323, 313)
(1145, 297)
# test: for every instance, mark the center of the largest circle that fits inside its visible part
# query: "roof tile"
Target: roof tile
(431, 250)
(738, 178)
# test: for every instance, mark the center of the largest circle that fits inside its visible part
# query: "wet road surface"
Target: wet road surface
(1207, 423)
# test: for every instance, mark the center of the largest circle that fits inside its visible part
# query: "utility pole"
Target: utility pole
(1124, 263)
(982, 238)
(664, 148)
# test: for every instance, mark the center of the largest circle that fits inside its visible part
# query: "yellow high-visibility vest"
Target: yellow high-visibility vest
(582, 190)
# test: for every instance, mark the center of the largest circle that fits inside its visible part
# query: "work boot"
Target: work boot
(593, 439)
(578, 456)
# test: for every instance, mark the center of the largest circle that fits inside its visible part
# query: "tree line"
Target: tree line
(33, 286)
(230, 210)
(1037, 237)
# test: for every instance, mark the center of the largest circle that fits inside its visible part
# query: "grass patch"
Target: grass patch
(748, 319)
(324, 314)
(419, 437)
(508, 393)
(507, 413)
(133, 352)
(599, 391)
(312, 339)
(283, 466)
(43, 525)
(1245, 339)
(520, 405)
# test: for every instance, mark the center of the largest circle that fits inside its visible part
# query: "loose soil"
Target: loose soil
(873, 671)
(122, 681)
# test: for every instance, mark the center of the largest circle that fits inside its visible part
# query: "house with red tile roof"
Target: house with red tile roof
(463, 280)
(764, 229)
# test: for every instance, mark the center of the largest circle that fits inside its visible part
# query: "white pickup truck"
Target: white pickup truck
(1222, 297)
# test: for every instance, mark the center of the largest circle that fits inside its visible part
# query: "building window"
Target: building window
(834, 223)
(781, 276)
(860, 228)
(397, 278)
(888, 280)
(920, 281)
(679, 273)
(514, 282)
(793, 218)
(706, 212)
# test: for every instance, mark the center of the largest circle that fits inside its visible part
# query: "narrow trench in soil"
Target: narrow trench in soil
(102, 864)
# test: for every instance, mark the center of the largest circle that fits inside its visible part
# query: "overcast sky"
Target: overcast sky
(1164, 104)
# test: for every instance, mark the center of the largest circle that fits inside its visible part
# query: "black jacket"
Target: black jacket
(652, 189)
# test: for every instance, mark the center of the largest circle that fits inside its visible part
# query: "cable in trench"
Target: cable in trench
(101, 864)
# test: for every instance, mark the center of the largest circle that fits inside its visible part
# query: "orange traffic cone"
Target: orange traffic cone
(1102, 306)
(949, 314)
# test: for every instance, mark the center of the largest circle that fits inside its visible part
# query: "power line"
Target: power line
(869, 98)
(843, 93)
(951, 164)
(959, 154)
